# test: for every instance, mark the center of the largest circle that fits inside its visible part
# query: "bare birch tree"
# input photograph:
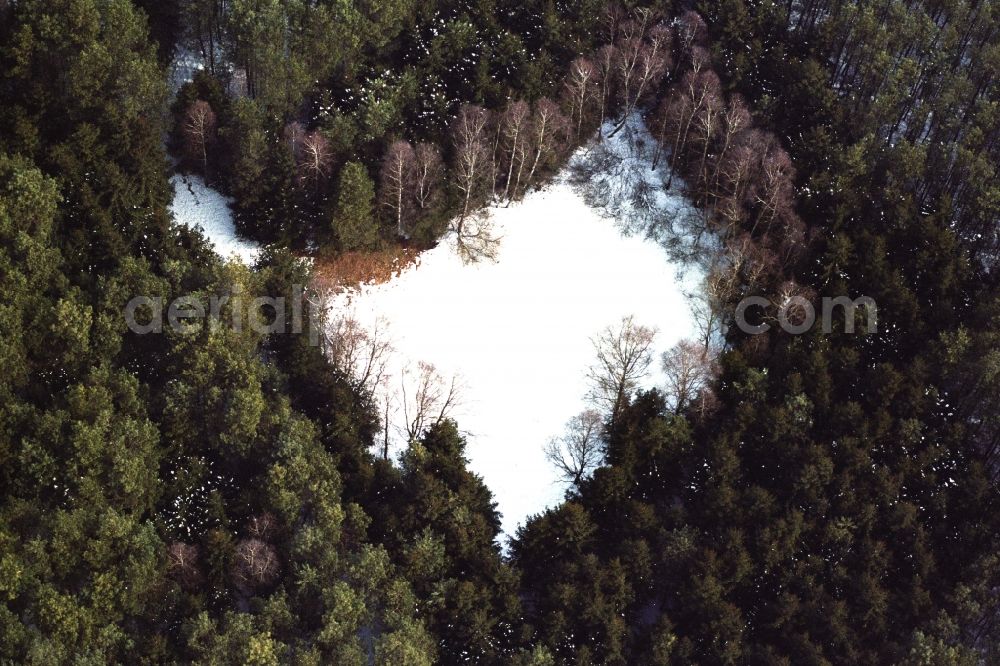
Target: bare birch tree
(471, 157)
(514, 130)
(641, 66)
(735, 119)
(316, 158)
(199, 132)
(756, 262)
(792, 302)
(397, 179)
(773, 191)
(707, 126)
(472, 176)
(708, 305)
(695, 88)
(611, 19)
(428, 174)
(691, 32)
(548, 130)
(605, 60)
(262, 526)
(736, 172)
(294, 133)
(659, 123)
(581, 89)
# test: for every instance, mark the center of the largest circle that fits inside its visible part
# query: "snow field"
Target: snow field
(517, 332)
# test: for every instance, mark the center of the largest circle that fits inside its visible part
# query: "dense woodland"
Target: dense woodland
(221, 498)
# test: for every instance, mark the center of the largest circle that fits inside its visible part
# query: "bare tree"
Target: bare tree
(473, 174)
(199, 132)
(580, 450)
(735, 119)
(514, 129)
(547, 131)
(628, 51)
(427, 399)
(736, 173)
(793, 239)
(708, 305)
(294, 133)
(624, 354)
(659, 123)
(388, 408)
(359, 354)
(611, 19)
(428, 174)
(691, 32)
(707, 126)
(397, 183)
(256, 563)
(471, 156)
(791, 302)
(696, 87)
(182, 564)
(688, 368)
(315, 158)
(580, 87)
(773, 190)
(606, 60)
(641, 66)
(742, 267)
(729, 213)
(496, 156)
(262, 526)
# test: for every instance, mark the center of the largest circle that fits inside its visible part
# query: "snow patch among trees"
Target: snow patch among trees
(517, 331)
(197, 205)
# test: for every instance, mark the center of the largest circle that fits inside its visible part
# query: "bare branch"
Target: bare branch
(428, 399)
(361, 355)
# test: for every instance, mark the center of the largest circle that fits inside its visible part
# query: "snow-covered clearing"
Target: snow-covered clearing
(198, 205)
(517, 332)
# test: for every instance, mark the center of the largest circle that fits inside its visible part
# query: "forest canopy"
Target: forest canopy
(225, 497)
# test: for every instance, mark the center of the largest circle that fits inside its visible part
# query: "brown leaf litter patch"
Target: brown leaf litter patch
(334, 273)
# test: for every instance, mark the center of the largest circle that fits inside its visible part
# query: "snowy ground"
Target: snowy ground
(197, 205)
(517, 332)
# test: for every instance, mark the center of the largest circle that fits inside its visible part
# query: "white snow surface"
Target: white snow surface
(518, 331)
(196, 204)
